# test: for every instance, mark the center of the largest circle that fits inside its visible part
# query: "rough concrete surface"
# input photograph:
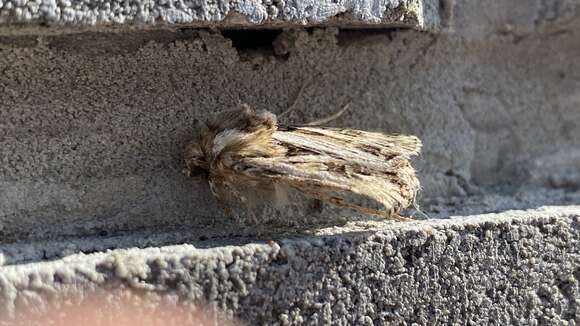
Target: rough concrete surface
(516, 268)
(93, 123)
(419, 14)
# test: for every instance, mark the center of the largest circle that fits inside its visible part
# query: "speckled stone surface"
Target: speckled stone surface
(518, 268)
(93, 121)
(93, 125)
(420, 14)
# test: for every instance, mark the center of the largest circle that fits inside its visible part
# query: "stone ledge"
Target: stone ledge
(419, 14)
(510, 267)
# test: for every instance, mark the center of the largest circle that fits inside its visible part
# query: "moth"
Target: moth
(246, 155)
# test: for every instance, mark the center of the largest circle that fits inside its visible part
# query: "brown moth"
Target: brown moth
(245, 153)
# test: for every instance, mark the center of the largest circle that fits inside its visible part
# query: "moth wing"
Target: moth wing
(329, 164)
(363, 144)
(332, 180)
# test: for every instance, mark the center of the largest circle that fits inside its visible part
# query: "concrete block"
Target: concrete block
(94, 124)
(419, 14)
(99, 99)
(516, 267)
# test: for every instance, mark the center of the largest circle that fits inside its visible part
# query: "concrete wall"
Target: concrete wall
(93, 121)
(518, 268)
(422, 14)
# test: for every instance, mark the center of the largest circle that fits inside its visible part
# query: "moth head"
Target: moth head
(229, 135)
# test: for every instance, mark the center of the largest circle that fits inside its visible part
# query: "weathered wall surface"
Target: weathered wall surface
(421, 14)
(93, 122)
(518, 268)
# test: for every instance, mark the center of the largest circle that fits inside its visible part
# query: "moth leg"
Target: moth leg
(418, 209)
(227, 210)
(213, 189)
(253, 216)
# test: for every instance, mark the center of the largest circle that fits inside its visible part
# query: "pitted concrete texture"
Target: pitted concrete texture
(513, 268)
(420, 14)
(93, 125)
(230, 232)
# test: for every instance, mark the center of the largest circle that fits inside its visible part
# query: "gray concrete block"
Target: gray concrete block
(483, 19)
(93, 121)
(517, 267)
(93, 125)
(420, 14)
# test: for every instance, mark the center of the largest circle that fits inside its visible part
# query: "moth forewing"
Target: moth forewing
(359, 141)
(245, 151)
(392, 185)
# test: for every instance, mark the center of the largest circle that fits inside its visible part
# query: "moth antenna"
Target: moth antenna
(330, 118)
(292, 106)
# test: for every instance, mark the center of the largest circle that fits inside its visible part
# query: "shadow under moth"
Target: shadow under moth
(247, 156)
